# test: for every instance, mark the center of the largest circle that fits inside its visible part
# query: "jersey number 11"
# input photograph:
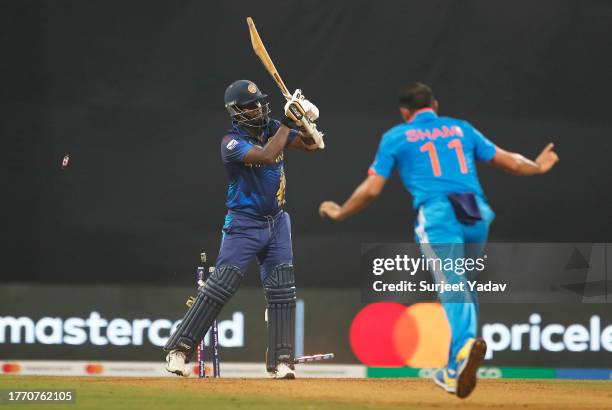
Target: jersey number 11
(455, 144)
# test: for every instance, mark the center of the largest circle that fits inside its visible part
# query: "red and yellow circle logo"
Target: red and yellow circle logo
(252, 88)
(391, 334)
(196, 369)
(94, 368)
(11, 368)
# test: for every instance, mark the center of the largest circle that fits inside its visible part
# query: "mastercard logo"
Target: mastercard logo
(207, 369)
(11, 368)
(391, 334)
(94, 368)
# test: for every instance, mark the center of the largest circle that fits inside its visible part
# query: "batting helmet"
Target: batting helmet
(246, 104)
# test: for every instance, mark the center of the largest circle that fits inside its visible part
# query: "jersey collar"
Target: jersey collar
(241, 132)
(424, 114)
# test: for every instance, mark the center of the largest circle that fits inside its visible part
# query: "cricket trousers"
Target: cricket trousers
(441, 235)
(268, 238)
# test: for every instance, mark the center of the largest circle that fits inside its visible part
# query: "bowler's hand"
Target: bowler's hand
(330, 209)
(547, 158)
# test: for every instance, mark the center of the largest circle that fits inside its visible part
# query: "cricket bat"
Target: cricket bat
(261, 52)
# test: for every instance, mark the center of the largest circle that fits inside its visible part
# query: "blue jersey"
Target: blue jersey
(257, 190)
(434, 155)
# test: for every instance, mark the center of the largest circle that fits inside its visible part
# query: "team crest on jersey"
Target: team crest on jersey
(252, 88)
(232, 144)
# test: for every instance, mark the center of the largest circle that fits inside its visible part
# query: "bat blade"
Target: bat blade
(262, 53)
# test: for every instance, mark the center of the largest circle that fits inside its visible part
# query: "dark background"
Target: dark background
(133, 92)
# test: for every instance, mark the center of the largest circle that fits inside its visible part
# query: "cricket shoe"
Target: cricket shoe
(468, 361)
(446, 379)
(176, 362)
(283, 371)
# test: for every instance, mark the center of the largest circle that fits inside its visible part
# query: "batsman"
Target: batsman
(256, 226)
(436, 160)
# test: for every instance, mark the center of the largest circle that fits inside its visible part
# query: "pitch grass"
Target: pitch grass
(312, 394)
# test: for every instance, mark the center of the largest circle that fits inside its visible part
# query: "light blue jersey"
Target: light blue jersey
(434, 155)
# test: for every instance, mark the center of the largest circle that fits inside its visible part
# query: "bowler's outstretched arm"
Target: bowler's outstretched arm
(365, 193)
(517, 164)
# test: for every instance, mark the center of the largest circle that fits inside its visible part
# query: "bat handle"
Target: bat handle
(309, 127)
